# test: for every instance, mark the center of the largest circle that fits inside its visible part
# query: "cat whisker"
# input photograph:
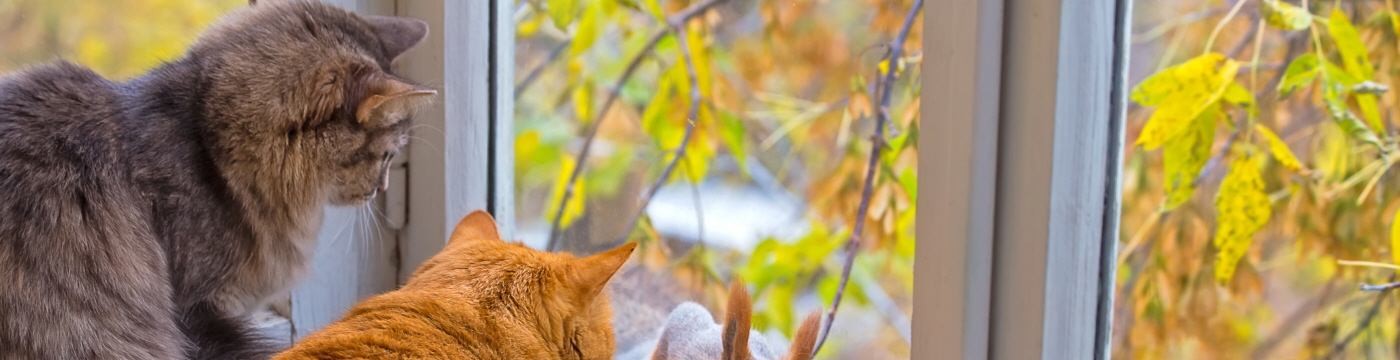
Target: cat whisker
(335, 239)
(425, 141)
(371, 226)
(367, 233)
(378, 218)
(415, 126)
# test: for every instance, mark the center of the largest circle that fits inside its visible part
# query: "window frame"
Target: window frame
(459, 160)
(1017, 242)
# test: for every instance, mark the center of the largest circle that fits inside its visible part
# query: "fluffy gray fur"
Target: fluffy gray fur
(147, 219)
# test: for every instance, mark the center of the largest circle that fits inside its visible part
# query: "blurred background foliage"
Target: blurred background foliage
(118, 39)
(1258, 194)
(770, 184)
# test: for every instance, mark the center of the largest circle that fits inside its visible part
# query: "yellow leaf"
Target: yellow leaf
(1242, 208)
(529, 27)
(1182, 93)
(574, 207)
(1395, 238)
(697, 155)
(583, 102)
(1184, 157)
(654, 9)
(1278, 148)
(1349, 44)
(562, 12)
(589, 27)
(1284, 15)
(1370, 110)
(703, 75)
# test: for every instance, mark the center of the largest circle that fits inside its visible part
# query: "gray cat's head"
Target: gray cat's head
(301, 99)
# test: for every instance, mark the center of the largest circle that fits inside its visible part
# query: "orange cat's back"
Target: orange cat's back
(481, 298)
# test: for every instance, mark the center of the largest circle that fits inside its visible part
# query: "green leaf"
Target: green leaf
(1349, 44)
(1278, 148)
(732, 131)
(1284, 15)
(1182, 93)
(1301, 72)
(1237, 95)
(607, 178)
(1242, 208)
(779, 307)
(1332, 98)
(756, 270)
(1184, 157)
(910, 183)
(562, 12)
(589, 28)
(1338, 76)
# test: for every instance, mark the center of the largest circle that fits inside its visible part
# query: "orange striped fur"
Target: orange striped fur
(481, 298)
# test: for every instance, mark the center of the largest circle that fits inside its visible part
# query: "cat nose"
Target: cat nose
(384, 185)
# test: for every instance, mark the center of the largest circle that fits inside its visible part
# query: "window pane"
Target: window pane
(1263, 137)
(771, 181)
(118, 39)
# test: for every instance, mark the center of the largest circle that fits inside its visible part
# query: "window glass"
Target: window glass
(1257, 190)
(770, 183)
(118, 39)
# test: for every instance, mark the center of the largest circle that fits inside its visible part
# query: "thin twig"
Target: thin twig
(1292, 322)
(1365, 323)
(679, 154)
(1215, 159)
(535, 72)
(673, 22)
(876, 148)
(699, 210)
(1381, 287)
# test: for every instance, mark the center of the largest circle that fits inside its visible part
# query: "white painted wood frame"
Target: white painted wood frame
(459, 159)
(1022, 133)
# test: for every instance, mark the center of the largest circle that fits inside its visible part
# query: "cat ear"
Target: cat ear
(397, 34)
(736, 323)
(391, 99)
(591, 274)
(804, 340)
(479, 225)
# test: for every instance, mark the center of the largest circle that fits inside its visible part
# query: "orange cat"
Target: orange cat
(482, 298)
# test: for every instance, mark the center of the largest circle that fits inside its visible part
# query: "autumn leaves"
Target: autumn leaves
(1192, 99)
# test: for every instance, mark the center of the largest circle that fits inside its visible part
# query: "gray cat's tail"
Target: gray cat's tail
(215, 336)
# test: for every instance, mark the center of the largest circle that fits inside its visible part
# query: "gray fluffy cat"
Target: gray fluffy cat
(146, 219)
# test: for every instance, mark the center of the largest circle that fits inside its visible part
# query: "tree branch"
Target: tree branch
(1365, 322)
(877, 147)
(679, 154)
(535, 72)
(673, 22)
